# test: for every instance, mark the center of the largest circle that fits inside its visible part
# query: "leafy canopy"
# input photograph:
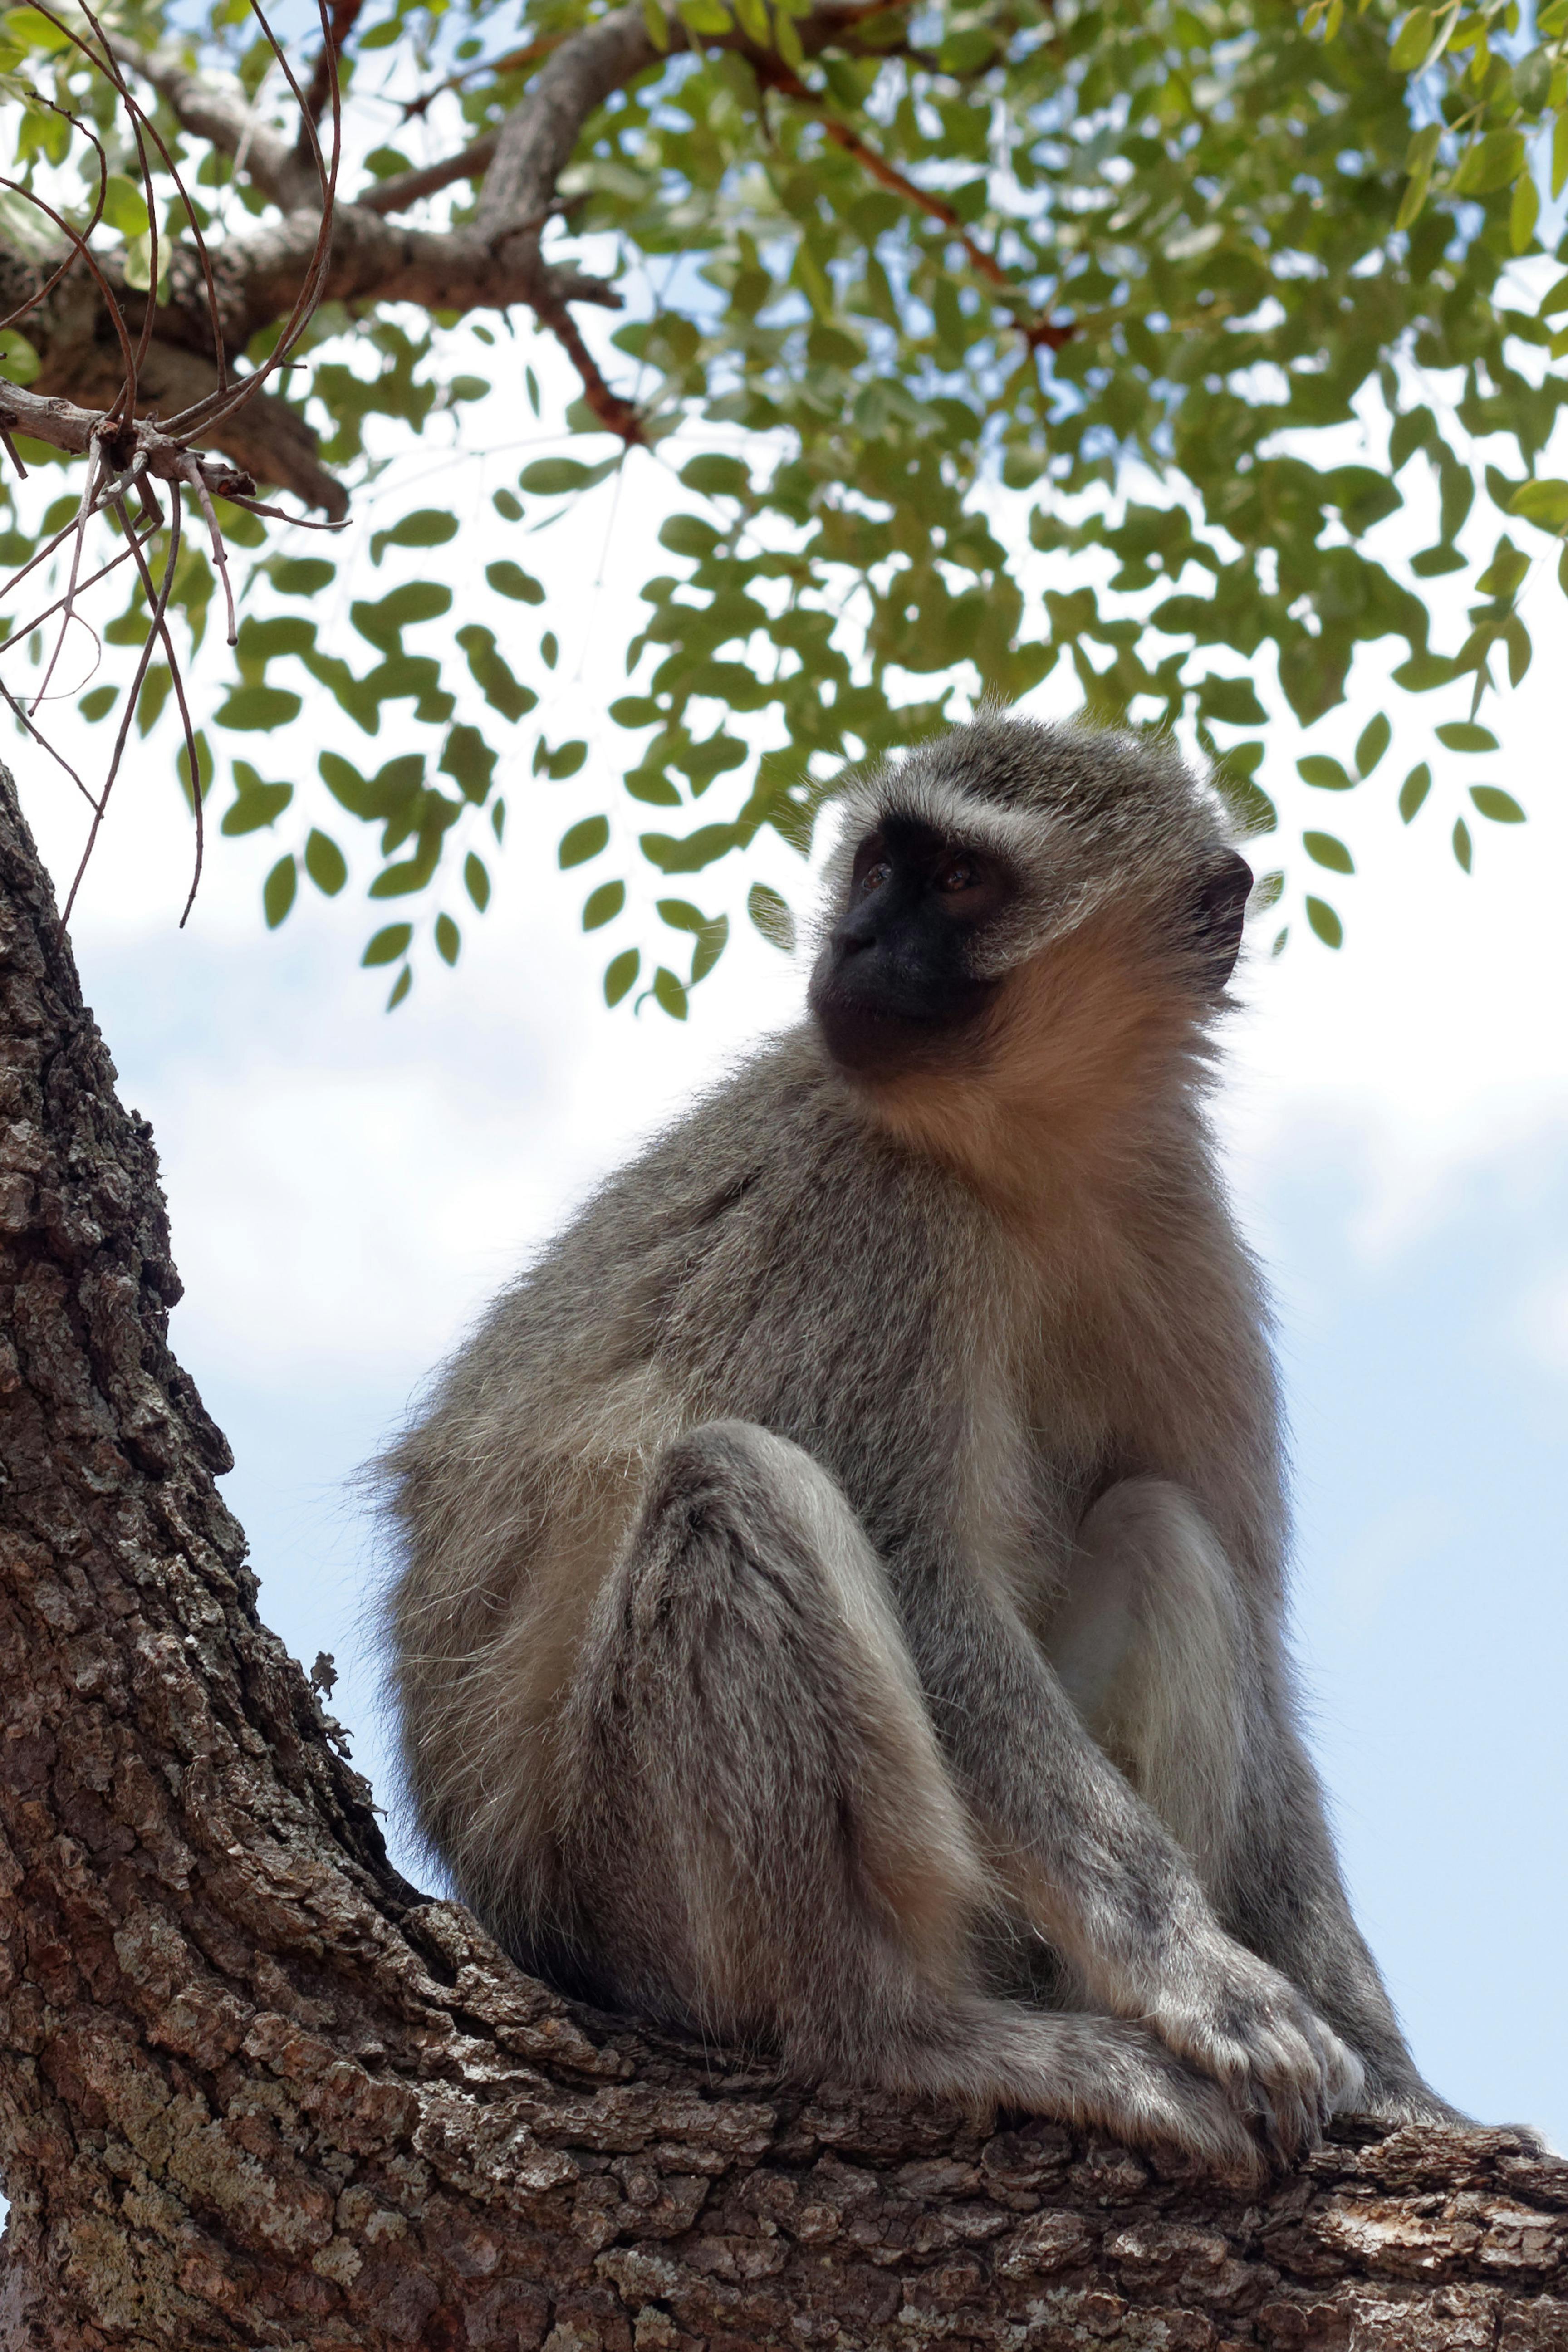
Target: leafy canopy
(1116, 273)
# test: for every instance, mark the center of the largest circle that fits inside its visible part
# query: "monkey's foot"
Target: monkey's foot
(1241, 2023)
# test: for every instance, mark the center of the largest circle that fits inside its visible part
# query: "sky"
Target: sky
(347, 1188)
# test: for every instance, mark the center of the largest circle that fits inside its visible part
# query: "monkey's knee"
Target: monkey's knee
(1151, 1643)
(746, 1715)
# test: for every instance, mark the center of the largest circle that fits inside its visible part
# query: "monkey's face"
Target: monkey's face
(897, 985)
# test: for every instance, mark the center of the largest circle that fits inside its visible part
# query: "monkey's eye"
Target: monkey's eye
(874, 877)
(958, 874)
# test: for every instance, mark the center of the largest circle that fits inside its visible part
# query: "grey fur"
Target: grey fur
(842, 1580)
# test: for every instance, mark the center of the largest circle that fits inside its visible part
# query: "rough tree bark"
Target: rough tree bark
(255, 2090)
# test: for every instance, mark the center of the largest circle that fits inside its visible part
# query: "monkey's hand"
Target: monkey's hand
(1240, 2021)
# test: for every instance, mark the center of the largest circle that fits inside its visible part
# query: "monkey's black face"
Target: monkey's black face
(896, 980)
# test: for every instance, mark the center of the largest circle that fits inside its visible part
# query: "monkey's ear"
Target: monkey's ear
(1219, 910)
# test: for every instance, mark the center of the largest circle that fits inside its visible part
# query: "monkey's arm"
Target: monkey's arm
(1100, 1876)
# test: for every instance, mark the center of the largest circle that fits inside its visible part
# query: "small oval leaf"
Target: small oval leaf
(277, 891)
(619, 974)
(388, 944)
(1325, 922)
(1324, 850)
(1328, 775)
(582, 841)
(325, 863)
(1414, 790)
(1376, 739)
(1499, 807)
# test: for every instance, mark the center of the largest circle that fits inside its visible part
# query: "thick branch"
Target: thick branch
(257, 2091)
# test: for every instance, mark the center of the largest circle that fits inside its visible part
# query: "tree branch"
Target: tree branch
(217, 110)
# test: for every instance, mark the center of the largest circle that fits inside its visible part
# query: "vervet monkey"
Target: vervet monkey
(842, 1595)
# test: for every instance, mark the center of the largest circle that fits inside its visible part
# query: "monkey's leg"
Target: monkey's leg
(758, 1832)
(1186, 1692)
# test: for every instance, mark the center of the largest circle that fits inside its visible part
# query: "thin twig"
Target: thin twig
(220, 559)
(22, 719)
(13, 452)
(159, 600)
(36, 621)
(84, 508)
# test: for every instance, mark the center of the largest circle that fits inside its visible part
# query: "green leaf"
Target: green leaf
(1505, 571)
(277, 891)
(552, 477)
(772, 916)
(584, 840)
(1463, 849)
(400, 987)
(258, 708)
(670, 993)
(657, 24)
(672, 856)
(476, 881)
(711, 942)
(603, 905)
(300, 575)
(1542, 502)
(1328, 775)
(715, 476)
(448, 939)
(389, 944)
(635, 710)
(325, 863)
(1414, 40)
(1376, 739)
(1499, 807)
(687, 535)
(1461, 735)
(1325, 923)
(1494, 161)
(426, 527)
(1524, 213)
(125, 205)
(469, 760)
(619, 973)
(381, 623)
(508, 579)
(1324, 850)
(98, 702)
(256, 804)
(681, 915)
(1414, 790)
(19, 362)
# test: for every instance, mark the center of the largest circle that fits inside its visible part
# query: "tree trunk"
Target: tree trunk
(256, 2090)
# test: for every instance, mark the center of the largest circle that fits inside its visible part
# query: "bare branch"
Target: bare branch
(220, 560)
(217, 110)
(138, 446)
(405, 188)
(340, 25)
